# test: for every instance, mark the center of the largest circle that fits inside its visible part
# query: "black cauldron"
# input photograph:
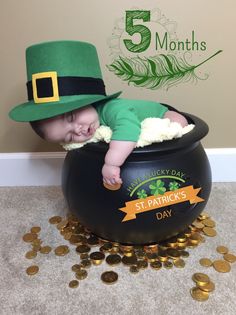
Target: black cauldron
(165, 187)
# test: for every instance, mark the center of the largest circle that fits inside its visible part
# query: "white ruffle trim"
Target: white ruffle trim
(153, 130)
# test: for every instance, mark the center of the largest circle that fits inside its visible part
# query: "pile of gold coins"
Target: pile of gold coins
(94, 251)
(203, 287)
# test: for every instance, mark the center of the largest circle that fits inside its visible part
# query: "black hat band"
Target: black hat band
(66, 86)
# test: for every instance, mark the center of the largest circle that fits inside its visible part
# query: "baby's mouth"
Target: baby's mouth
(90, 131)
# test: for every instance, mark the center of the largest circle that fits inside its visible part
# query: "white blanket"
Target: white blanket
(152, 130)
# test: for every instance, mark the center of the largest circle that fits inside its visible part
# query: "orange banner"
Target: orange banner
(132, 208)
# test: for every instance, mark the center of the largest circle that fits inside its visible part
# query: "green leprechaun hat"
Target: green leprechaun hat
(61, 76)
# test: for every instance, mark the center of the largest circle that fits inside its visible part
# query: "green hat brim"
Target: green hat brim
(30, 111)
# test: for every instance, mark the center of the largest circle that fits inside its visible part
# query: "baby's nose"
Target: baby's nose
(84, 130)
(77, 129)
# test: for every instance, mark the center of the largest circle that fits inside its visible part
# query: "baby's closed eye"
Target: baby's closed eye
(69, 116)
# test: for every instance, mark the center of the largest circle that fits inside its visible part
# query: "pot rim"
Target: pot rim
(197, 133)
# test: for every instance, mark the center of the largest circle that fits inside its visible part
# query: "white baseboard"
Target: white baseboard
(31, 169)
(44, 169)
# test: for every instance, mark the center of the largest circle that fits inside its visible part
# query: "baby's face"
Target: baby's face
(76, 126)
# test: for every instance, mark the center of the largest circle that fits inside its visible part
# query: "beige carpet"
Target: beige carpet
(149, 292)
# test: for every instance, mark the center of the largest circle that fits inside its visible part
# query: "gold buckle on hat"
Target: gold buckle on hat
(53, 76)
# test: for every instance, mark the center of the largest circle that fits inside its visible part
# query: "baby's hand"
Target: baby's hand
(111, 174)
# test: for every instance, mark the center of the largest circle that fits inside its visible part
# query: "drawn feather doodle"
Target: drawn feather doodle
(162, 71)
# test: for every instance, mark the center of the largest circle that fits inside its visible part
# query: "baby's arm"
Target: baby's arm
(115, 157)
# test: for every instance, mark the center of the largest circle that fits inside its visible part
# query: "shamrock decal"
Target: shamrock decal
(174, 185)
(157, 188)
(142, 194)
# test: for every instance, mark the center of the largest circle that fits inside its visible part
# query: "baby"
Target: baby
(67, 102)
(121, 115)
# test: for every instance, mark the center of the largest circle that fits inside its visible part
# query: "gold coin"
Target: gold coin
(172, 242)
(82, 249)
(93, 241)
(173, 253)
(36, 248)
(140, 254)
(72, 217)
(162, 255)
(114, 250)
(36, 242)
(129, 253)
(134, 269)
(45, 249)
(78, 230)
(162, 246)
(168, 264)
(32, 270)
(193, 229)
(67, 229)
(84, 256)
(61, 250)
(187, 232)
(199, 295)
(151, 257)
(55, 220)
(222, 249)
(209, 231)
(203, 216)
(85, 263)
(208, 287)
(31, 254)
(179, 263)
(195, 237)
(76, 267)
(35, 229)
(202, 239)
(221, 266)
(74, 284)
(115, 244)
(129, 260)
(97, 258)
(77, 239)
(192, 243)
(109, 277)
(29, 237)
(113, 259)
(230, 257)
(198, 224)
(81, 274)
(151, 248)
(142, 264)
(67, 235)
(112, 187)
(106, 247)
(182, 245)
(156, 265)
(209, 223)
(181, 238)
(126, 248)
(205, 262)
(201, 278)
(184, 253)
(61, 225)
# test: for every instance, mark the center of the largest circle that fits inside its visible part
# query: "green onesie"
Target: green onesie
(124, 116)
